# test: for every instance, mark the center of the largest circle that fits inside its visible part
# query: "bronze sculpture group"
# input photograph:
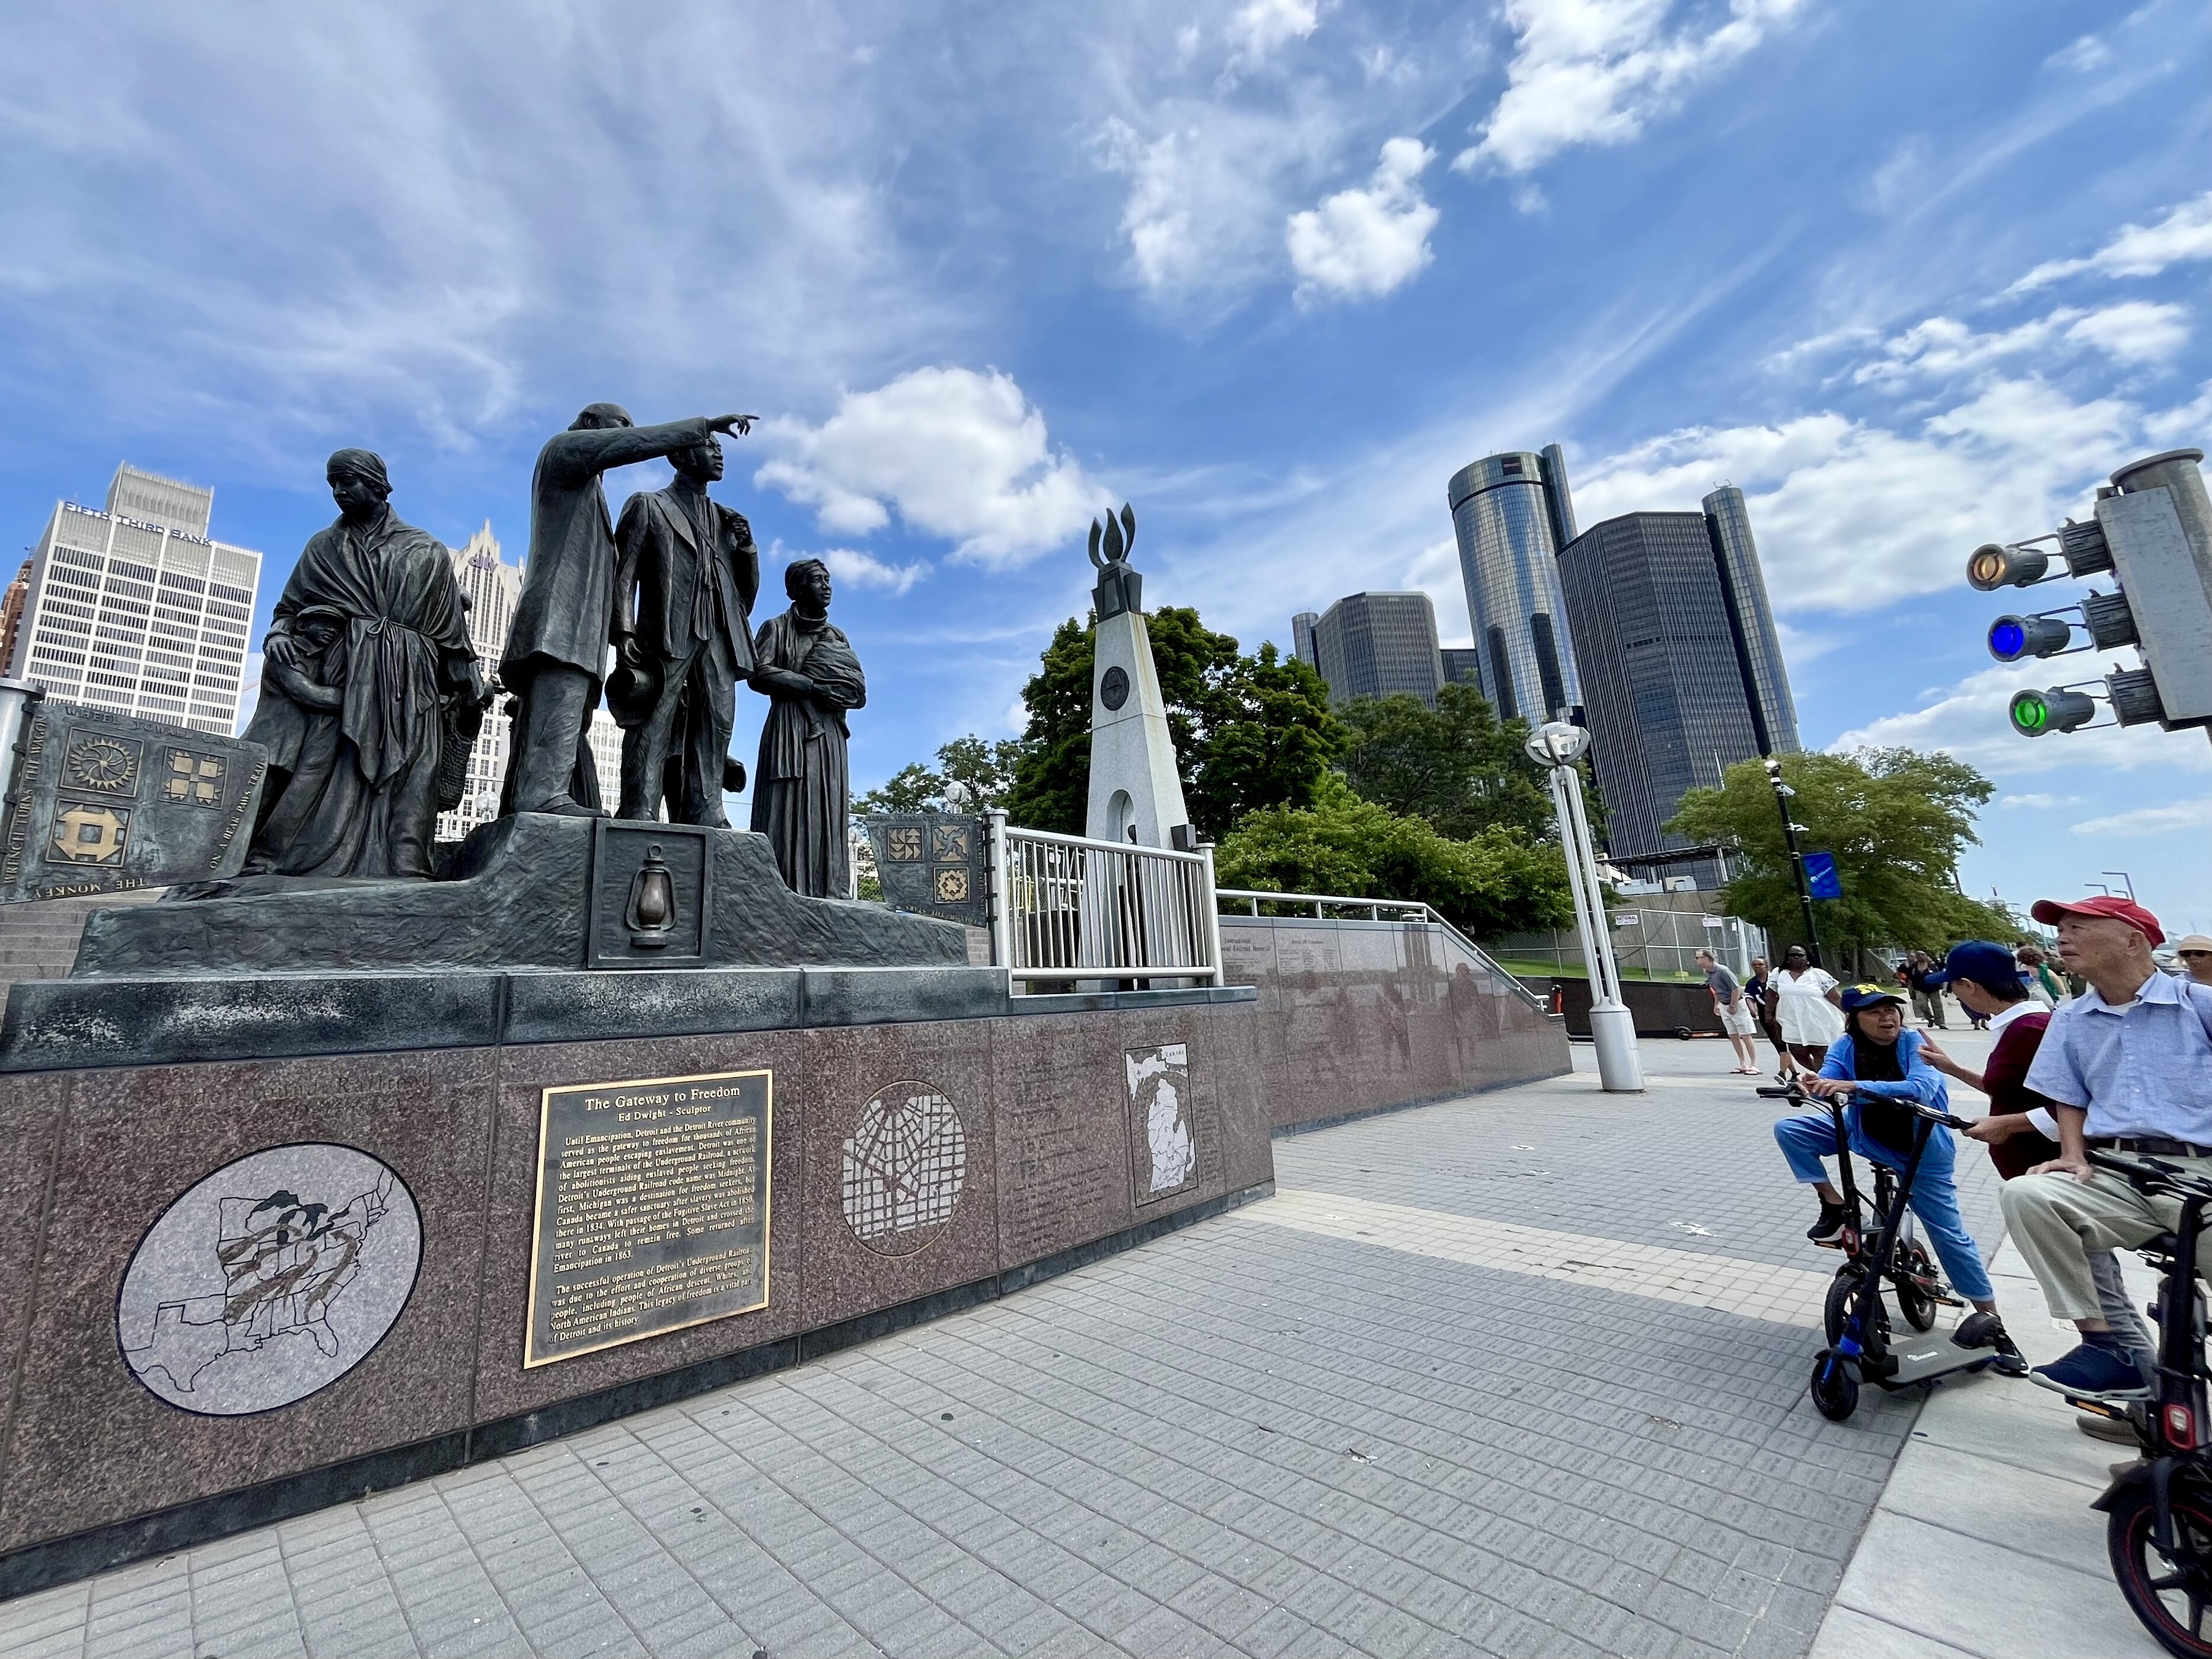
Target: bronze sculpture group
(371, 696)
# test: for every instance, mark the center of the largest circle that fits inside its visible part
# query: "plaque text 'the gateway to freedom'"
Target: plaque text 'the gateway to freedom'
(653, 1204)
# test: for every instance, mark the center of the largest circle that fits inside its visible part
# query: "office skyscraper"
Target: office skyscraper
(1462, 666)
(1301, 639)
(1377, 645)
(1682, 670)
(134, 608)
(492, 588)
(1512, 514)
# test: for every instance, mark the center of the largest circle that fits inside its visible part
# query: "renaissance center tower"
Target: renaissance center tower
(1511, 514)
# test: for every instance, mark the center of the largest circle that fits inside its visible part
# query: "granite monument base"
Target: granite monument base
(250, 1287)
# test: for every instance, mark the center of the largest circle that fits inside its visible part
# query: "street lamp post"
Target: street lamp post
(1556, 747)
(1783, 792)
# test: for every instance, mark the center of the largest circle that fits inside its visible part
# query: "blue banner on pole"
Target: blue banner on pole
(1820, 876)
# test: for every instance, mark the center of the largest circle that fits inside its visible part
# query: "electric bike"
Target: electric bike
(2158, 1509)
(1861, 1346)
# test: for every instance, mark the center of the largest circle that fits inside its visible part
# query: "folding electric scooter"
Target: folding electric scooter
(1860, 1344)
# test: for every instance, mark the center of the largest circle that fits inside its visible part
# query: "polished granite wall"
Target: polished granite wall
(1359, 1016)
(91, 1158)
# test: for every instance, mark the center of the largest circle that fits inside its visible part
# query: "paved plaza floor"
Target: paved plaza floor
(1522, 1374)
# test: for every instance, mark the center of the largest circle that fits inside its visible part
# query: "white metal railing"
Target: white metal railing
(1320, 904)
(1065, 907)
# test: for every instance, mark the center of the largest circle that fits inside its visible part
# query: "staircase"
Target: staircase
(38, 940)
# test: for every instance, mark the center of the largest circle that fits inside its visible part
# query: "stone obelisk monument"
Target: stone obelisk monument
(1136, 794)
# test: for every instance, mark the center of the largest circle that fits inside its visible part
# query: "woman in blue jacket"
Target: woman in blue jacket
(1878, 1059)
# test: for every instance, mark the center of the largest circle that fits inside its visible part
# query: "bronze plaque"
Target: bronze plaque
(652, 1208)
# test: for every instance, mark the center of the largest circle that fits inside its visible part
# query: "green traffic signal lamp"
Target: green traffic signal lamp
(2034, 713)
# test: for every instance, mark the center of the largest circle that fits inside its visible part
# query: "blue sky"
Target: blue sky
(1271, 270)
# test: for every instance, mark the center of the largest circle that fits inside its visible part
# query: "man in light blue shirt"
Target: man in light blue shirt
(2127, 1065)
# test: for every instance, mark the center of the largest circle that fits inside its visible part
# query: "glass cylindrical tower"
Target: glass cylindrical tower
(1512, 514)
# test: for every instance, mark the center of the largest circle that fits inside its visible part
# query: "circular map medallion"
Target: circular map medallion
(904, 1167)
(269, 1280)
(1114, 690)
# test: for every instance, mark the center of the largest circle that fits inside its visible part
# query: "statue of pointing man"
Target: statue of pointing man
(557, 650)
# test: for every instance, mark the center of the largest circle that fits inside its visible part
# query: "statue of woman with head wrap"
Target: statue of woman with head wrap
(374, 622)
(802, 791)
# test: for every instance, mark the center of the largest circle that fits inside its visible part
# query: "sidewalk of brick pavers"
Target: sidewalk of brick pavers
(1456, 1391)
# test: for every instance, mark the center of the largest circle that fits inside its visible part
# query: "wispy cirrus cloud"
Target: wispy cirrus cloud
(2165, 820)
(2184, 236)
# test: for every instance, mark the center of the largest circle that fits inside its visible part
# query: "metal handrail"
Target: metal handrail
(1407, 909)
(1067, 907)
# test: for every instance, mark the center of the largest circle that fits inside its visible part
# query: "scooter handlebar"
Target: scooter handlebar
(2149, 1173)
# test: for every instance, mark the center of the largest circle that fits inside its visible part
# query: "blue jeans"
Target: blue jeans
(1809, 1137)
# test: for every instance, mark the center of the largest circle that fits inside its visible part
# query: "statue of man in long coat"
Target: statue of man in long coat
(802, 790)
(557, 650)
(371, 637)
(684, 588)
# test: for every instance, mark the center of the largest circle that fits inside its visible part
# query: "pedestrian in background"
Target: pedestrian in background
(2021, 1131)
(2195, 950)
(1927, 999)
(1808, 1007)
(1729, 1002)
(2036, 977)
(1758, 991)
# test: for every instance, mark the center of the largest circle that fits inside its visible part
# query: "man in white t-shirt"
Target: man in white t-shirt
(1729, 1002)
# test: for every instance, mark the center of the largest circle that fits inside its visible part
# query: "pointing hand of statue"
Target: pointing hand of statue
(740, 424)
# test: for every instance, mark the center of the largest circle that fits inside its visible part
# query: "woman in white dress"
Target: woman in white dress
(1807, 1007)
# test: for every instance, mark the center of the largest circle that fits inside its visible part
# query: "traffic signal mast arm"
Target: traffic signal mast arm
(2153, 531)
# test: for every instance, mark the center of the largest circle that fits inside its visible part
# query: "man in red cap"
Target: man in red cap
(2126, 1065)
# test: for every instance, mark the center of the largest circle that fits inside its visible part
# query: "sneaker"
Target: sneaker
(2094, 1373)
(1833, 1222)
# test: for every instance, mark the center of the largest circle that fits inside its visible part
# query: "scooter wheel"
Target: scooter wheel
(2170, 1594)
(1835, 1386)
(1848, 1279)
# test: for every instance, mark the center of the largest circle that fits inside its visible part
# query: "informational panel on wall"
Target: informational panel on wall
(934, 865)
(96, 802)
(652, 1210)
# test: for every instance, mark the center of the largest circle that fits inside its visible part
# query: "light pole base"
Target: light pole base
(1619, 1066)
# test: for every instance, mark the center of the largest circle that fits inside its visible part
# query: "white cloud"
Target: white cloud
(958, 454)
(1596, 71)
(2082, 55)
(2152, 820)
(2184, 235)
(2034, 802)
(2137, 331)
(1969, 719)
(1261, 27)
(1361, 244)
(2132, 332)
(857, 570)
(1850, 515)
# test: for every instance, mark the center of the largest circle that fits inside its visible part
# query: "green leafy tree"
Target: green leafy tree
(1456, 764)
(983, 771)
(1896, 821)
(1494, 883)
(1250, 732)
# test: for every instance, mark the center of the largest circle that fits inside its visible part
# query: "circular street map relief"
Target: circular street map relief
(904, 1167)
(269, 1280)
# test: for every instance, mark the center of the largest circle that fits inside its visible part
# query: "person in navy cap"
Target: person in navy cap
(2127, 1065)
(2020, 1130)
(1880, 1064)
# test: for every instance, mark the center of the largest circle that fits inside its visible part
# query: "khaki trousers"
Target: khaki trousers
(2056, 1220)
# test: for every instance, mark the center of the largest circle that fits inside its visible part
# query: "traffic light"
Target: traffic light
(2152, 533)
